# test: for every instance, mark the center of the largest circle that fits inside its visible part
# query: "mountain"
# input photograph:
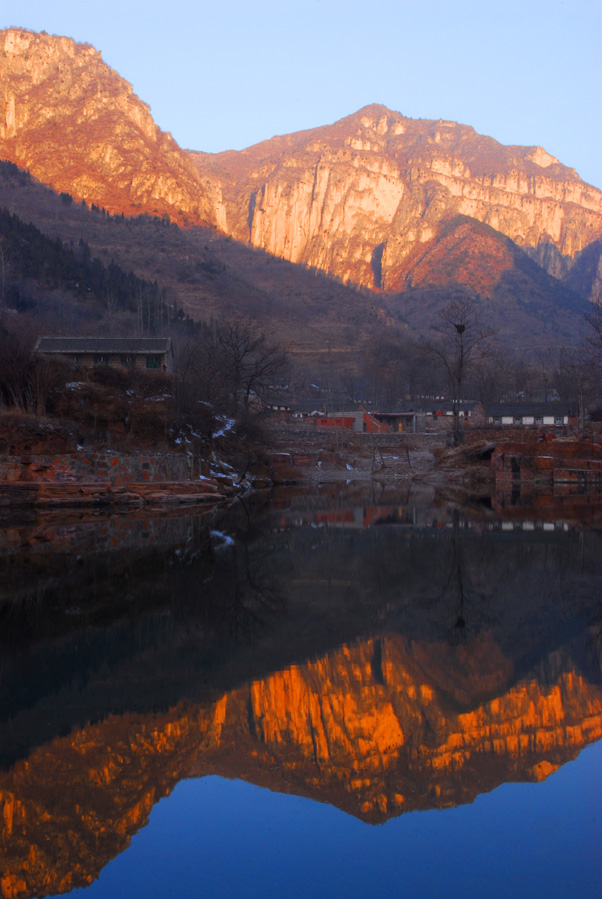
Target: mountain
(523, 304)
(358, 198)
(585, 276)
(76, 125)
(401, 211)
(198, 269)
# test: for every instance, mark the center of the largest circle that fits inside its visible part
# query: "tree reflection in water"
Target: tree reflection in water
(408, 664)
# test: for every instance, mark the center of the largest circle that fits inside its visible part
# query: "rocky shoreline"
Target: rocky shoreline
(105, 478)
(304, 456)
(63, 495)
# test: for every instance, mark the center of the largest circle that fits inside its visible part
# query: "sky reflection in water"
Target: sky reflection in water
(214, 837)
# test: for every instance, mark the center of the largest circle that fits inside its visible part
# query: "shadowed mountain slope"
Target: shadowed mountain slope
(315, 316)
(372, 201)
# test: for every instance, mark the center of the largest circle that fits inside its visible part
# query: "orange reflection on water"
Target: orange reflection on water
(377, 728)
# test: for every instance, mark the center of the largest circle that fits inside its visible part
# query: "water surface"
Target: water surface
(343, 693)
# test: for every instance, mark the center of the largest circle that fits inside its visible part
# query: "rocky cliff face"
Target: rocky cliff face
(377, 729)
(360, 198)
(79, 127)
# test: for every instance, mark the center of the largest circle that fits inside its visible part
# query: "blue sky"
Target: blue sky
(227, 74)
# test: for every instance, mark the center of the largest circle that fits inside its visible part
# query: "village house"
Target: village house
(364, 422)
(302, 409)
(531, 415)
(437, 411)
(279, 404)
(150, 353)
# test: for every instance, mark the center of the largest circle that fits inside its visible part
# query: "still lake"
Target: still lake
(348, 692)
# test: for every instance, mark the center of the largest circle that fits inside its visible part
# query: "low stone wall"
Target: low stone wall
(571, 461)
(515, 434)
(497, 434)
(117, 469)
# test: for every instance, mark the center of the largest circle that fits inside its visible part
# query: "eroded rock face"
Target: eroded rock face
(77, 126)
(360, 198)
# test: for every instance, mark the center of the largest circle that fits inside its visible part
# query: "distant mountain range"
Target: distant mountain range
(400, 209)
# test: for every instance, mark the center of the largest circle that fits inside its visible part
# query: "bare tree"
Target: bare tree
(111, 303)
(251, 361)
(45, 376)
(593, 338)
(218, 368)
(493, 376)
(593, 352)
(6, 260)
(394, 368)
(16, 358)
(200, 373)
(462, 339)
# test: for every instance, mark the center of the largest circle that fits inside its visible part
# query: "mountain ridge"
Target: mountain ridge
(367, 201)
(435, 166)
(377, 179)
(76, 125)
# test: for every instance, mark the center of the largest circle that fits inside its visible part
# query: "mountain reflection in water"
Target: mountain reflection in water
(382, 657)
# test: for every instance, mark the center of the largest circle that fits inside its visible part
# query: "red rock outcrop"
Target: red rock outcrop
(76, 125)
(361, 199)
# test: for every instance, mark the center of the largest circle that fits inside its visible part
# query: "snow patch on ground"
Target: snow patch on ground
(224, 539)
(227, 425)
